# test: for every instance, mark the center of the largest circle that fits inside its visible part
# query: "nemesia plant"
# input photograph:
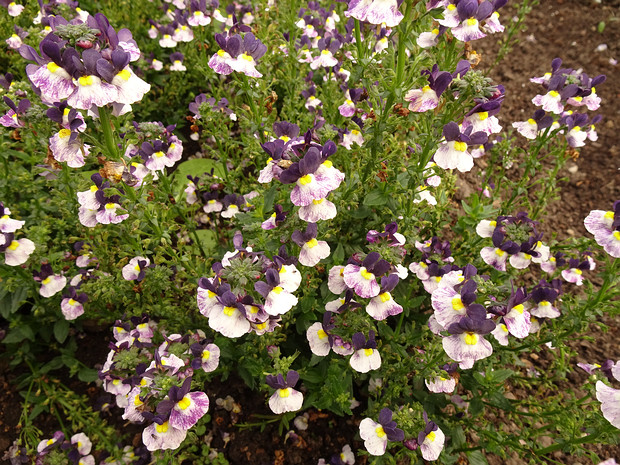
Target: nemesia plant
(292, 223)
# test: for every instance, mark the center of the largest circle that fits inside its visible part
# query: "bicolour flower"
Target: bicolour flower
(325, 58)
(206, 356)
(450, 305)
(12, 118)
(452, 153)
(466, 342)
(517, 318)
(285, 399)
(318, 336)
(312, 251)
(72, 305)
(441, 384)
(7, 224)
(543, 298)
(428, 39)
(431, 440)
(375, 11)
(534, 126)
(383, 305)
(162, 436)
(482, 116)
(427, 98)
(135, 269)
(228, 316)
(51, 283)
(605, 227)
(470, 14)
(366, 356)
(363, 279)
(278, 300)
(185, 407)
(376, 435)
(108, 209)
(237, 54)
(16, 252)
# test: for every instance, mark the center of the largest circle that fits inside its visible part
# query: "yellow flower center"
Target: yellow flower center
(366, 274)
(221, 53)
(483, 115)
(284, 392)
(261, 326)
(368, 352)
(318, 202)
(472, 21)
(379, 431)
(577, 270)
(325, 52)
(500, 252)
(277, 290)
(355, 132)
(616, 235)
(435, 32)
(554, 94)
(52, 67)
(460, 146)
(72, 302)
(519, 308)
(124, 75)
(544, 303)
(322, 334)
(159, 154)
(385, 297)
(247, 57)
(609, 215)
(86, 81)
(426, 89)
(161, 428)
(305, 180)
(471, 339)
(285, 138)
(109, 206)
(312, 243)
(184, 403)
(431, 436)
(64, 133)
(228, 311)
(457, 303)
(136, 401)
(210, 294)
(47, 280)
(328, 163)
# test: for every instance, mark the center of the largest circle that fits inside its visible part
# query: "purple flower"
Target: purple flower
(285, 399)
(376, 435)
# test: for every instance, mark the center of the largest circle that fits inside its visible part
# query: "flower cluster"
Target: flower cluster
(16, 252)
(154, 383)
(57, 449)
(237, 54)
(86, 63)
(565, 88)
(237, 300)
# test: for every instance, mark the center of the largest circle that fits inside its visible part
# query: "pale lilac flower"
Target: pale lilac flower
(375, 11)
(162, 436)
(610, 402)
(605, 227)
(376, 435)
(366, 357)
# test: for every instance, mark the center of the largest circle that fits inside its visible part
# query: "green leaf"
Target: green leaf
(601, 27)
(499, 376)
(375, 198)
(38, 409)
(88, 375)
(18, 334)
(476, 457)
(61, 330)
(361, 212)
(338, 255)
(198, 166)
(269, 197)
(207, 239)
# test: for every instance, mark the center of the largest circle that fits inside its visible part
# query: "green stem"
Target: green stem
(358, 42)
(108, 133)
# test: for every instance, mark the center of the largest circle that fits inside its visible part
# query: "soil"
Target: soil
(556, 28)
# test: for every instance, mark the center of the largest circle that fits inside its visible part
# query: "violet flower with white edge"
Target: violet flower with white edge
(108, 208)
(452, 153)
(366, 357)
(197, 15)
(376, 435)
(375, 12)
(383, 305)
(290, 277)
(312, 251)
(177, 62)
(427, 98)
(72, 305)
(430, 39)
(482, 116)
(335, 280)
(327, 47)
(363, 279)
(575, 122)
(7, 224)
(557, 93)
(466, 342)
(605, 227)
(347, 109)
(278, 216)
(285, 399)
(159, 155)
